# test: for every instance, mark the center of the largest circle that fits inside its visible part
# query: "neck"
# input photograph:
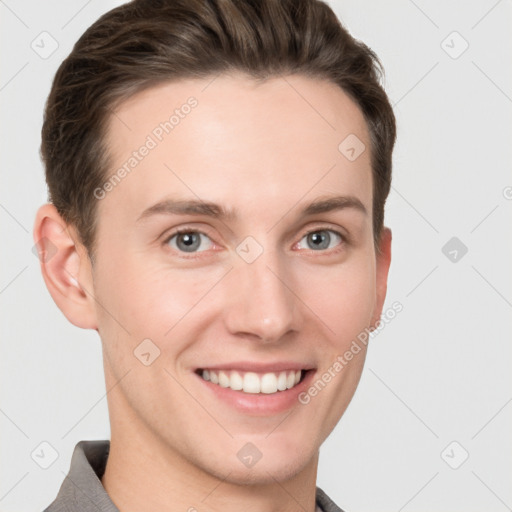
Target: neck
(142, 475)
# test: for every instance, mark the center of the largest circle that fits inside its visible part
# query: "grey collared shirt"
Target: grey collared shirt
(82, 490)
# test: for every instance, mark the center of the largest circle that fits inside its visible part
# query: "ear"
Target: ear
(65, 267)
(383, 261)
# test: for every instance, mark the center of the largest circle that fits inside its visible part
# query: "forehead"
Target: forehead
(233, 141)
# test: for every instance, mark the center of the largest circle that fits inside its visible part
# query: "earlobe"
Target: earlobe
(65, 267)
(383, 262)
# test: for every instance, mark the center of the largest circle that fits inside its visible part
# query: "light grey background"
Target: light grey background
(438, 373)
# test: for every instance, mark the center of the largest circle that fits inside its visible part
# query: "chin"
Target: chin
(262, 474)
(271, 467)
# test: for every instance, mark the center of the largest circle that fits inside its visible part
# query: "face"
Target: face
(215, 335)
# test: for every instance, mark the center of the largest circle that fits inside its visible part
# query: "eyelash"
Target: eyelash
(186, 229)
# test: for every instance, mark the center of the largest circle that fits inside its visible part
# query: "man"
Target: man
(217, 175)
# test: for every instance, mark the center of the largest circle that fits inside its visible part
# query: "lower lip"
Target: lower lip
(260, 404)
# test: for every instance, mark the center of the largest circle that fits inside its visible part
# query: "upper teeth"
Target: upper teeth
(250, 382)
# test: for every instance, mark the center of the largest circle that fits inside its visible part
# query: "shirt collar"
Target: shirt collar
(82, 488)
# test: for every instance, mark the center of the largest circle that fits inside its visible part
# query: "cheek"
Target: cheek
(145, 298)
(343, 298)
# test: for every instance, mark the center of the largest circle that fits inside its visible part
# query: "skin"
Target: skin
(266, 151)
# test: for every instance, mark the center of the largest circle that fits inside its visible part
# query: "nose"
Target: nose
(260, 300)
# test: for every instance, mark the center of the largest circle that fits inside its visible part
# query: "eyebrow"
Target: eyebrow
(197, 207)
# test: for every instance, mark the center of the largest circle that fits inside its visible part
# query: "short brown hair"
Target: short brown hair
(145, 42)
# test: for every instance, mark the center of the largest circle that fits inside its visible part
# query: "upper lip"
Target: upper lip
(258, 367)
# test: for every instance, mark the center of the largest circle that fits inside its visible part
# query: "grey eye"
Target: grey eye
(321, 239)
(188, 241)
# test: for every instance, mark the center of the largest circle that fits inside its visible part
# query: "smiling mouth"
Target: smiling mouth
(252, 382)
